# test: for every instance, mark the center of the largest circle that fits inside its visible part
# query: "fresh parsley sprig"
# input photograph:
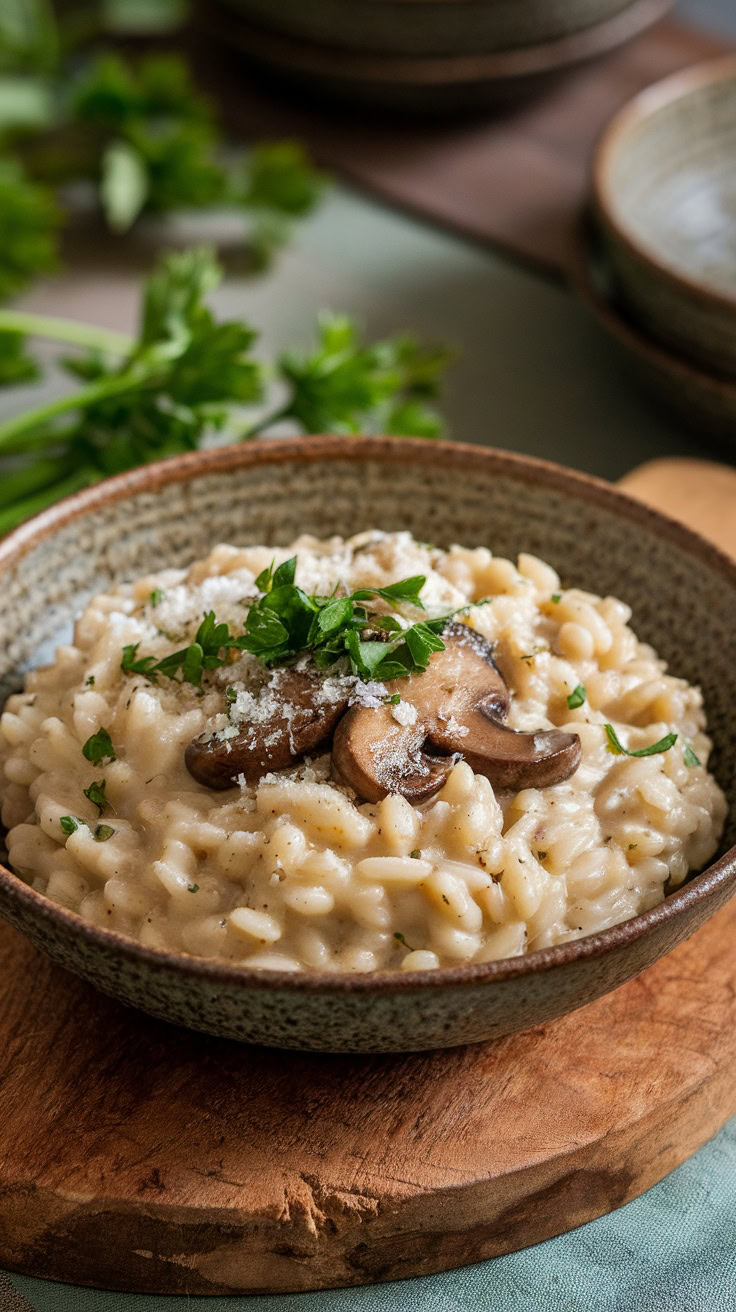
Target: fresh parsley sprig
(285, 623)
(185, 376)
(190, 662)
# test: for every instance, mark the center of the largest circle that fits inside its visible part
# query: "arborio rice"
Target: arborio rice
(294, 872)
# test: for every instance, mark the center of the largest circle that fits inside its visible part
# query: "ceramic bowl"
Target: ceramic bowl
(683, 593)
(428, 27)
(664, 188)
(704, 401)
(435, 83)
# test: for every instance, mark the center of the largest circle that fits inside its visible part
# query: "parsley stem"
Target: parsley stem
(65, 330)
(262, 425)
(22, 423)
(15, 514)
(16, 484)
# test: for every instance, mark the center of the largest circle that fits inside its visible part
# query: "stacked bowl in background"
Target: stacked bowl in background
(430, 55)
(659, 268)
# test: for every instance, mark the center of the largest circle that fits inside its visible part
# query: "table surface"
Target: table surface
(533, 374)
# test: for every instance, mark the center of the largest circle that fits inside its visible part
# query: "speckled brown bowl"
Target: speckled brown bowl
(683, 594)
(664, 186)
(705, 401)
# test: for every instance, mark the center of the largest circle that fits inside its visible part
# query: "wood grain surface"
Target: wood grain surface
(141, 1157)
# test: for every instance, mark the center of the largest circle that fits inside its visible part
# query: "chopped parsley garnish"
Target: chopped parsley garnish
(90, 681)
(556, 597)
(192, 888)
(96, 794)
(230, 695)
(69, 824)
(689, 757)
(285, 623)
(617, 749)
(155, 597)
(392, 701)
(99, 748)
(188, 664)
(400, 939)
(577, 697)
(416, 853)
(103, 832)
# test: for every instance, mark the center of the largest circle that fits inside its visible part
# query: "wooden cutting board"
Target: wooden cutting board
(137, 1156)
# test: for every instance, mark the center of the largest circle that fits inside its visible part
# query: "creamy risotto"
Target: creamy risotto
(134, 793)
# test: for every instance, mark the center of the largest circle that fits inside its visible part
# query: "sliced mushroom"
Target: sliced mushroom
(461, 702)
(376, 756)
(296, 721)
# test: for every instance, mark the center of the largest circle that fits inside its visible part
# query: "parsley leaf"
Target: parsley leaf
(102, 833)
(192, 888)
(29, 219)
(617, 749)
(689, 757)
(99, 748)
(577, 697)
(15, 365)
(345, 387)
(96, 794)
(68, 824)
(155, 597)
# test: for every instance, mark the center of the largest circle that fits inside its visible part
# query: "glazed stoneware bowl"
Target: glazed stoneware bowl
(664, 188)
(705, 401)
(457, 76)
(429, 27)
(683, 594)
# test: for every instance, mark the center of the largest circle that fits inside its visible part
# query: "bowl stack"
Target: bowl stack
(430, 55)
(659, 267)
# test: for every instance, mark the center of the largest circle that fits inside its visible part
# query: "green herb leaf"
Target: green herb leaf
(616, 748)
(28, 222)
(689, 757)
(16, 366)
(192, 888)
(264, 580)
(556, 597)
(99, 748)
(392, 701)
(230, 696)
(102, 833)
(577, 697)
(69, 824)
(96, 794)
(155, 597)
(416, 853)
(124, 185)
(346, 387)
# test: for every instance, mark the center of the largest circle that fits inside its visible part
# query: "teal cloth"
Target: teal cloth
(672, 1250)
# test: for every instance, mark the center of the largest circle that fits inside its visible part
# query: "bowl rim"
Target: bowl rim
(384, 451)
(427, 71)
(641, 107)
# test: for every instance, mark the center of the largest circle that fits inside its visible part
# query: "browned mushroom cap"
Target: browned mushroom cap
(461, 702)
(294, 721)
(376, 756)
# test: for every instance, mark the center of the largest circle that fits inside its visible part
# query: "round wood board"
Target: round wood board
(141, 1157)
